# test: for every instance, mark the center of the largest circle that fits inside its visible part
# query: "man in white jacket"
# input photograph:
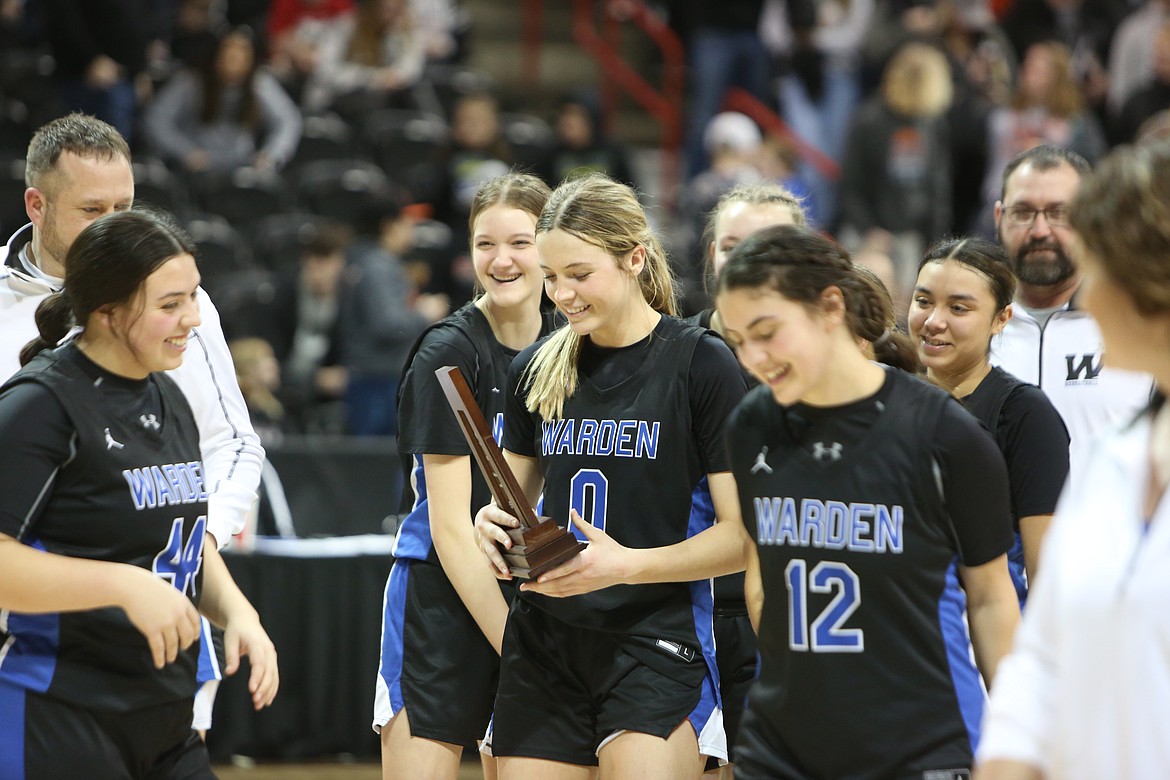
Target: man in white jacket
(78, 169)
(1050, 341)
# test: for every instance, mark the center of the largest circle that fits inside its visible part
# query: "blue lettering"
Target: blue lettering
(625, 438)
(832, 525)
(196, 468)
(141, 488)
(178, 490)
(766, 511)
(166, 485)
(787, 533)
(163, 486)
(186, 483)
(859, 533)
(565, 440)
(888, 533)
(587, 437)
(647, 446)
(606, 437)
(836, 535)
(549, 436)
(812, 523)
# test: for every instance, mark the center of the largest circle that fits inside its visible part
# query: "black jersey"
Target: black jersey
(127, 487)
(629, 457)
(729, 589)
(1034, 442)
(426, 422)
(866, 668)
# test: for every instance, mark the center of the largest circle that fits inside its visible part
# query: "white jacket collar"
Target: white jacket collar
(19, 272)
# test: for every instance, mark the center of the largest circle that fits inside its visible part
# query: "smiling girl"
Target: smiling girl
(609, 659)
(740, 212)
(963, 297)
(444, 613)
(880, 515)
(103, 561)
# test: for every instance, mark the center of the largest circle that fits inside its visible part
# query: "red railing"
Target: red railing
(664, 103)
(741, 100)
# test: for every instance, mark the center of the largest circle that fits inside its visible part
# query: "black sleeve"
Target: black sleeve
(426, 422)
(1035, 444)
(716, 386)
(519, 423)
(974, 486)
(744, 417)
(36, 433)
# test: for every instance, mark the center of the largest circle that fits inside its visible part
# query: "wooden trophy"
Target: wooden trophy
(539, 544)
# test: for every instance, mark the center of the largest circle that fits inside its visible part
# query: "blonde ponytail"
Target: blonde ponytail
(606, 214)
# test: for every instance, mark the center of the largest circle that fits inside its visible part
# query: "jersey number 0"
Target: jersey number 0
(589, 495)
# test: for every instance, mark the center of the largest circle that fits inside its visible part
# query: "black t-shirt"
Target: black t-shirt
(634, 444)
(1030, 434)
(861, 515)
(104, 468)
(1034, 442)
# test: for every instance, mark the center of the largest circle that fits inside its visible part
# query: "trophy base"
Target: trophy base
(539, 548)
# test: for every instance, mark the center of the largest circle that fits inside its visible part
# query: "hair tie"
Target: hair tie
(882, 339)
(73, 332)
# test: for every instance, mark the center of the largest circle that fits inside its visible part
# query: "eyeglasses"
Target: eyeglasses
(1024, 216)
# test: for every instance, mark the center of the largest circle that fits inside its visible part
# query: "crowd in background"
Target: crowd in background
(324, 153)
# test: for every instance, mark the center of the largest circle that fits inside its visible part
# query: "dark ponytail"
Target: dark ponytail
(891, 346)
(800, 264)
(898, 352)
(54, 318)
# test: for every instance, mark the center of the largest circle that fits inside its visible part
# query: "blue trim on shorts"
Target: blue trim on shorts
(209, 668)
(703, 608)
(35, 642)
(414, 533)
(952, 613)
(393, 632)
(12, 707)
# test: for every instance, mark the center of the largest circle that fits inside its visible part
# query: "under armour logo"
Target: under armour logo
(761, 464)
(149, 421)
(495, 389)
(832, 452)
(110, 443)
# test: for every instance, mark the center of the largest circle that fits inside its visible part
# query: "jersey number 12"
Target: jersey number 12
(825, 634)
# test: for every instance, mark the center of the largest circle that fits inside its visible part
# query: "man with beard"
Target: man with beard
(1049, 341)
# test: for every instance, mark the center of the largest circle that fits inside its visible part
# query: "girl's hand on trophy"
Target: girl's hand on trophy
(490, 522)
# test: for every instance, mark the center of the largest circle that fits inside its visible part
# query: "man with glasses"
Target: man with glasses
(1049, 341)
